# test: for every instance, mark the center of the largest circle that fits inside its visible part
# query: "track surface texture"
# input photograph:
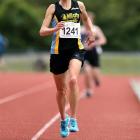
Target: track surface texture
(113, 112)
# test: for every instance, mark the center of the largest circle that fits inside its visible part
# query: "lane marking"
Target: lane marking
(50, 123)
(29, 91)
(47, 125)
(136, 88)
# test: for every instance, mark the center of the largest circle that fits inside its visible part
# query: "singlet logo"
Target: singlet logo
(75, 8)
(71, 17)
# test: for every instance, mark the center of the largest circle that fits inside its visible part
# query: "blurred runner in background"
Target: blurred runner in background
(92, 57)
(3, 45)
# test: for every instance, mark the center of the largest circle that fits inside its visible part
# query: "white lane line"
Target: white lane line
(50, 123)
(136, 88)
(29, 91)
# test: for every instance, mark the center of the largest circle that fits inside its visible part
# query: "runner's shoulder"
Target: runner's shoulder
(51, 8)
(81, 5)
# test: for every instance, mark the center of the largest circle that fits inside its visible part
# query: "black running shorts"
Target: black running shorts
(59, 63)
(92, 57)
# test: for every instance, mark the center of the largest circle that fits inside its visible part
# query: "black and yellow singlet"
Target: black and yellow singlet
(60, 45)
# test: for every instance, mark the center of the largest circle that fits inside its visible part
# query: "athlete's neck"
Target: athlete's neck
(66, 4)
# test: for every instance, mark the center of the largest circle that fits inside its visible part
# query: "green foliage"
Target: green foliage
(20, 21)
(119, 21)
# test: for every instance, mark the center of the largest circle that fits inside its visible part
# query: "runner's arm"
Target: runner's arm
(88, 23)
(85, 18)
(101, 39)
(45, 29)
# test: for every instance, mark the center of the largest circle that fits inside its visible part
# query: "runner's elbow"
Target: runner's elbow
(105, 41)
(41, 33)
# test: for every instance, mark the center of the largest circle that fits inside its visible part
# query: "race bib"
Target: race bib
(70, 30)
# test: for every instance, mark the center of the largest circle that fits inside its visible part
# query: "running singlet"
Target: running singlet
(68, 38)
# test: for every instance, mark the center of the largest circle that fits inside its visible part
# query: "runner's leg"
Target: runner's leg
(74, 70)
(61, 85)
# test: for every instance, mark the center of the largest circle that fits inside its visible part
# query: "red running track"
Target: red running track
(113, 113)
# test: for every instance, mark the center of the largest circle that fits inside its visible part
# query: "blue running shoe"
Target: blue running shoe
(73, 125)
(64, 130)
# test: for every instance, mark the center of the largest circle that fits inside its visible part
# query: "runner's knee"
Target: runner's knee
(73, 81)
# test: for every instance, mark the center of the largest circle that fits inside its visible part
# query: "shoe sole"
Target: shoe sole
(66, 135)
(73, 130)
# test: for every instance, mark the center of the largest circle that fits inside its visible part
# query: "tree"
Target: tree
(21, 22)
(120, 20)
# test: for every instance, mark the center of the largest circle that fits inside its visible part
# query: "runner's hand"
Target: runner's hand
(60, 25)
(90, 40)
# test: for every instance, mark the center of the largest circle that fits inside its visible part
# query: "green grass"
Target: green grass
(111, 63)
(20, 66)
(120, 64)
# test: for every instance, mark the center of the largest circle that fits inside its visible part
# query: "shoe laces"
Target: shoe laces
(73, 122)
(63, 125)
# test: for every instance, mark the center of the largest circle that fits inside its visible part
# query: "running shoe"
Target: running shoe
(73, 125)
(64, 127)
(88, 94)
